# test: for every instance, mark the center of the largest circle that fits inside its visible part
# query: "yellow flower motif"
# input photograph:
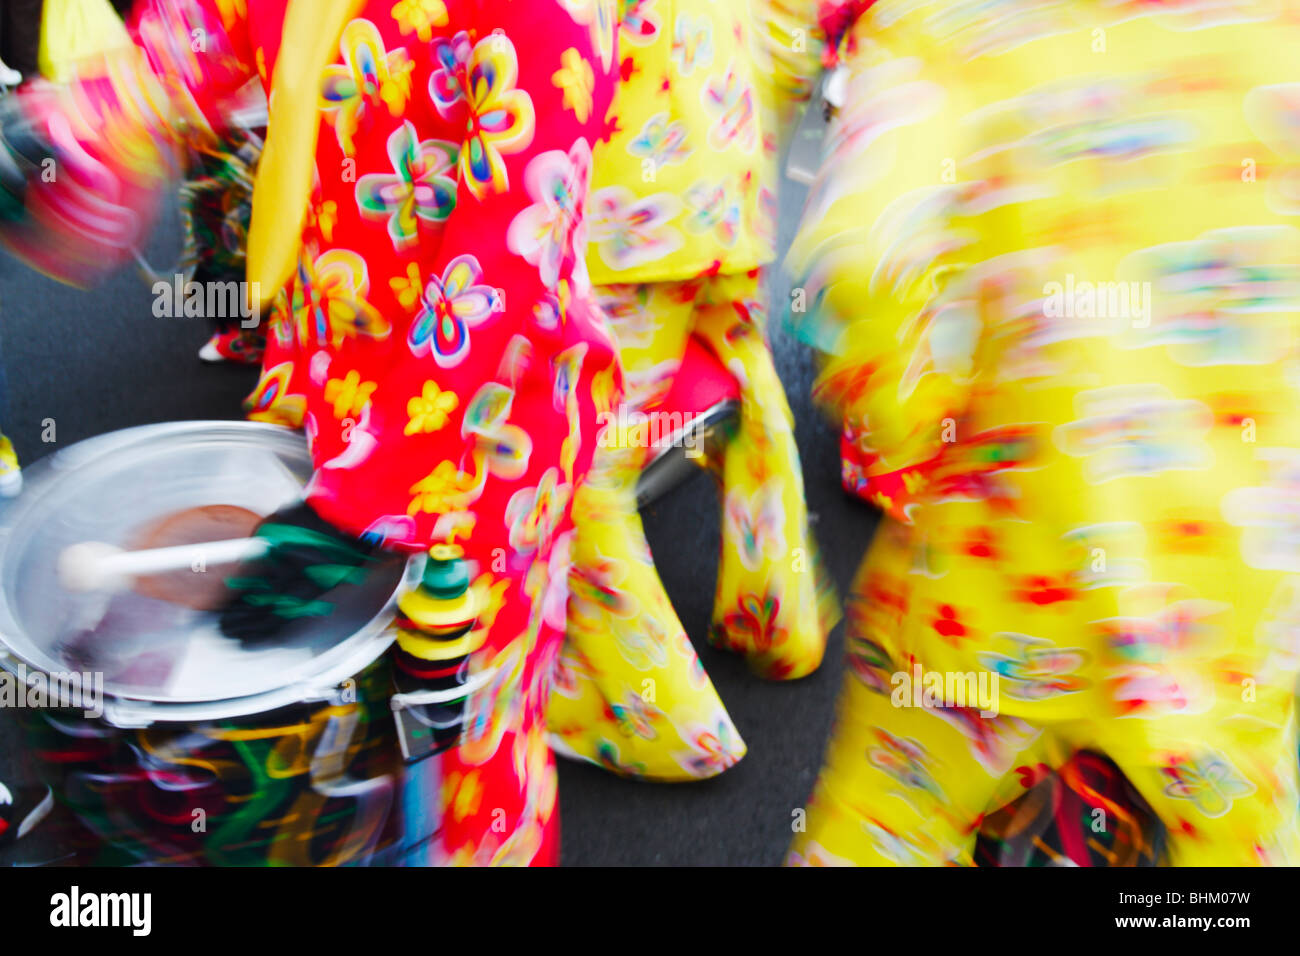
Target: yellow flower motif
(444, 489)
(325, 218)
(463, 793)
(576, 79)
(408, 289)
(429, 410)
(490, 598)
(396, 88)
(232, 12)
(349, 394)
(420, 16)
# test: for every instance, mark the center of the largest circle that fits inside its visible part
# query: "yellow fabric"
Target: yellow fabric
(1109, 524)
(73, 31)
(631, 692)
(284, 175)
(688, 180)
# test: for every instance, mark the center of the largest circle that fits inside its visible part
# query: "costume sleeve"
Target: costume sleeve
(88, 161)
(881, 284)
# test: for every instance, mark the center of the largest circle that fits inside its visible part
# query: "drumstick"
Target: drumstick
(95, 566)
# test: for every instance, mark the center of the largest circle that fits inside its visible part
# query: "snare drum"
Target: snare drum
(205, 752)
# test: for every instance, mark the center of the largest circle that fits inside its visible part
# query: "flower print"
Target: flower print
(447, 82)
(1044, 590)
(1036, 668)
(600, 17)
(271, 401)
(429, 411)
(324, 218)
(555, 599)
(577, 81)
(642, 642)
(501, 117)
(495, 707)
(631, 230)
(712, 750)
(637, 22)
(453, 303)
(533, 514)
(329, 299)
(407, 288)
(280, 323)
(1210, 782)
(629, 316)
(753, 627)
(756, 524)
(489, 598)
(661, 141)
(418, 189)
(607, 756)
(501, 448)
(420, 17)
(369, 73)
(232, 11)
(359, 437)
(905, 760)
(948, 625)
(444, 489)
(729, 101)
(349, 394)
(462, 793)
(552, 228)
(692, 43)
(713, 209)
(635, 717)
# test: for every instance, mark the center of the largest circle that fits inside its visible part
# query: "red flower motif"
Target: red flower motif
(948, 625)
(1043, 590)
(981, 544)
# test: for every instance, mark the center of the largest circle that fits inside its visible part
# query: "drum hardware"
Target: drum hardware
(306, 712)
(96, 566)
(705, 399)
(437, 631)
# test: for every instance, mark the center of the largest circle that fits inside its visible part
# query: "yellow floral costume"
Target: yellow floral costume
(1057, 249)
(682, 217)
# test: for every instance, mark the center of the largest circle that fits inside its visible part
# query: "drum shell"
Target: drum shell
(313, 784)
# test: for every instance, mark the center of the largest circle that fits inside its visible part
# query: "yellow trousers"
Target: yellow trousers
(909, 785)
(631, 693)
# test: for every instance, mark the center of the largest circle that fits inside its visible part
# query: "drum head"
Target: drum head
(121, 486)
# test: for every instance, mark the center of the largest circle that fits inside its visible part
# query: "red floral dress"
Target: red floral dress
(437, 341)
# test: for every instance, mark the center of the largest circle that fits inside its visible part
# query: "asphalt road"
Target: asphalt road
(97, 360)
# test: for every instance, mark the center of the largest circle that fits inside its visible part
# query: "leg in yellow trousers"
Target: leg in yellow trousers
(631, 693)
(771, 603)
(904, 786)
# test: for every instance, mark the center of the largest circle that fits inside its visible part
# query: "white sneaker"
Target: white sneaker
(9, 76)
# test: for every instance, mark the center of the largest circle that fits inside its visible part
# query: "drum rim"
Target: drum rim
(652, 485)
(340, 662)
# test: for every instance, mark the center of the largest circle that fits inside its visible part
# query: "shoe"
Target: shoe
(9, 76)
(11, 476)
(21, 811)
(234, 346)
